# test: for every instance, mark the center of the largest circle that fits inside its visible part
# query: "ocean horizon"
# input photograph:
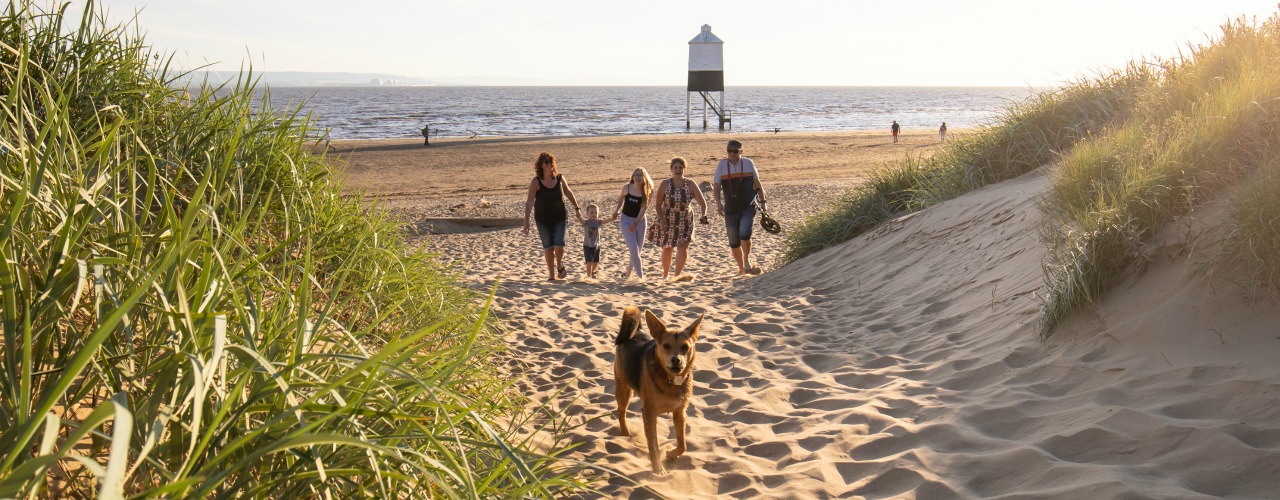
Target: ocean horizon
(389, 112)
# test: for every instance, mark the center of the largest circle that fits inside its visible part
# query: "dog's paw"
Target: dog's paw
(674, 454)
(659, 470)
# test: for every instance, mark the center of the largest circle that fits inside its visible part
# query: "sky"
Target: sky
(600, 42)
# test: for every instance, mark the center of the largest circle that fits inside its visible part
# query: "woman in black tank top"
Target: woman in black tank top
(547, 192)
(633, 202)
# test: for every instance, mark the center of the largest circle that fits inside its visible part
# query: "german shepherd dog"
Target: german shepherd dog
(660, 371)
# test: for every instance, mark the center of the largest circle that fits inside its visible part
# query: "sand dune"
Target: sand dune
(905, 363)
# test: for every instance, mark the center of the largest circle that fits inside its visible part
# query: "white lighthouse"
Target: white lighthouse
(706, 75)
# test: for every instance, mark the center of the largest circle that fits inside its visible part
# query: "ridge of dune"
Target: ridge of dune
(1166, 389)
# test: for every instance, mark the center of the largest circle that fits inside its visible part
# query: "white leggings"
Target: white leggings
(635, 241)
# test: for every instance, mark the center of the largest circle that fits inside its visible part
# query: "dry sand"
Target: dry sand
(903, 363)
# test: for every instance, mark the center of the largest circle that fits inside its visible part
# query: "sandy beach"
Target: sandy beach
(903, 363)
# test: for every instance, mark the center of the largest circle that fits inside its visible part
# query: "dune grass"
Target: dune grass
(1025, 136)
(1211, 117)
(191, 309)
(1252, 240)
(1134, 148)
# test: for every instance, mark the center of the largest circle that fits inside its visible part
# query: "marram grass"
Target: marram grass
(1025, 136)
(1133, 149)
(1210, 118)
(1252, 239)
(191, 310)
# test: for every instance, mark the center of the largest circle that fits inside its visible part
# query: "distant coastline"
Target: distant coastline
(346, 79)
(306, 79)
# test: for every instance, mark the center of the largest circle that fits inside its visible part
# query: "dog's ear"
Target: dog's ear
(656, 328)
(692, 330)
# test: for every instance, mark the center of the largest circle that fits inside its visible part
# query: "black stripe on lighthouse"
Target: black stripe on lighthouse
(706, 81)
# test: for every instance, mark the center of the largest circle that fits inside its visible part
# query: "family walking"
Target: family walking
(675, 198)
(547, 192)
(737, 192)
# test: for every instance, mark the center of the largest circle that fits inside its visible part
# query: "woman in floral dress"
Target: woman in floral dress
(674, 202)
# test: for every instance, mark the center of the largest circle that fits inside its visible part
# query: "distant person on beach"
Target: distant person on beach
(738, 178)
(633, 202)
(673, 204)
(942, 132)
(547, 192)
(426, 135)
(591, 238)
(894, 129)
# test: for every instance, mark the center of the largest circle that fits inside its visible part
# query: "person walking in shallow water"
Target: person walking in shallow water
(894, 129)
(547, 192)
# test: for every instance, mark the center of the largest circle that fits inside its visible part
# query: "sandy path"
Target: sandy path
(901, 364)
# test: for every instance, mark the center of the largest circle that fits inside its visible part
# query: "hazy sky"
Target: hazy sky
(602, 42)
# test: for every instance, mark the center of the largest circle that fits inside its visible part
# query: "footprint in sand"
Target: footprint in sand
(1020, 357)
(823, 363)
(788, 426)
(734, 484)
(739, 349)
(863, 380)
(579, 360)
(802, 397)
(772, 450)
(882, 362)
(588, 381)
(716, 399)
(755, 328)
(561, 371)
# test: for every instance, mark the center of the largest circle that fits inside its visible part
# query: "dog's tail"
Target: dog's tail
(630, 325)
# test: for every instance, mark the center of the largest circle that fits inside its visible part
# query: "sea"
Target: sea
(386, 112)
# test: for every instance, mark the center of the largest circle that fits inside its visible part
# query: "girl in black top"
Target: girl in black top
(633, 203)
(547, 192)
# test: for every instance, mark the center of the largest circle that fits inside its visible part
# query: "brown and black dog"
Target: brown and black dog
(660, 371)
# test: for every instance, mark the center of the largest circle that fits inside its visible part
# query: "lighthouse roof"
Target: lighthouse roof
(706, 36)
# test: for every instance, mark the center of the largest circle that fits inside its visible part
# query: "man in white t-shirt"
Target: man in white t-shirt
(739, 181)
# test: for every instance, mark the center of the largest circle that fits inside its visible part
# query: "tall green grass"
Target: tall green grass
(191, 309)
(1211, 117)
(1248, 248)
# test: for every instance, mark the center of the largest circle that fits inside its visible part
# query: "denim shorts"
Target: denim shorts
(590, 255)
(552, 234)
(738, 226)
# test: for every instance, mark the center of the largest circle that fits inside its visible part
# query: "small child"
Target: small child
(591, 237)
